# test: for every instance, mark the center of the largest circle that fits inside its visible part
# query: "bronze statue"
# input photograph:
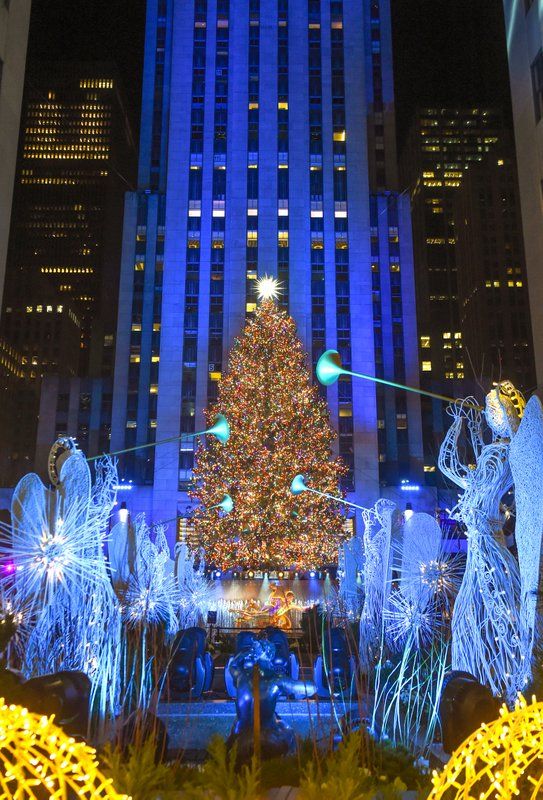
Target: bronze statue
(276, 737)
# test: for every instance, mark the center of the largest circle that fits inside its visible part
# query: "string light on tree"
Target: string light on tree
(279, 427)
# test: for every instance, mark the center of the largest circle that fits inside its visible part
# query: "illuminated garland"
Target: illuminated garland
(499, 761)
(36, 755)
(279, 427)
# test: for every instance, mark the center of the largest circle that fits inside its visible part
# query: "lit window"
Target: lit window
(136, 326)
(426, 366)
(428, 468)
(134, 359)
(250, 307)
(153, 388)
(155, 359)
(339, 136)
(215, 376)
(131, 423)
(425, 341)
(282, 106)
(446, 334)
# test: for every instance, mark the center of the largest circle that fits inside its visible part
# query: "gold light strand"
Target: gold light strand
(496, 762)
(36, 755)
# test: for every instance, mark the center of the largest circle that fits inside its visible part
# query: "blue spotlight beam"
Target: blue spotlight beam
(329, 369)
(220, 430)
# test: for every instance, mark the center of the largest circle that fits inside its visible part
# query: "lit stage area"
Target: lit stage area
(256, 599)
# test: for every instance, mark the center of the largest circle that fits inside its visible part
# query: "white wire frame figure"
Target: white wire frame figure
(486, 622)
(197, 594)
(526, 460)
(416, 636)
(55, 543)
(149, 600)
(377, 540)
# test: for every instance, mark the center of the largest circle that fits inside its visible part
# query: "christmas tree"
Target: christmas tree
(279, 427)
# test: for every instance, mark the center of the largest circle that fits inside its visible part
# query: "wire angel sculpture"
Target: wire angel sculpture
(149, 598)
(415, 638)
(487, 629)
(526, 460)
(350, 565)
(377, 539)
(59, 578)
(197, 594)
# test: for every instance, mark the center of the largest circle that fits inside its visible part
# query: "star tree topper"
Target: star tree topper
(268, 288)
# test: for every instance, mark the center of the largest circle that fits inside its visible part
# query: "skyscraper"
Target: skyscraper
(492, 285)
(441, 145)
(76, 161)
(14, 19)
(524, 27)
(267, 147)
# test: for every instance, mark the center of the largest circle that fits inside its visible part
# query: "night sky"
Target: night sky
(446, 51)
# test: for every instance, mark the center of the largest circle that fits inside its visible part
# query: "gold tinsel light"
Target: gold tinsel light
(38, 760)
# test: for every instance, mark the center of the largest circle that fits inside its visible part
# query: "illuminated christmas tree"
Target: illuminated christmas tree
(279, 427)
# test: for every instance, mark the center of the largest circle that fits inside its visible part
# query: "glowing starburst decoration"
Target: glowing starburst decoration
(268, 288)
(37, 760)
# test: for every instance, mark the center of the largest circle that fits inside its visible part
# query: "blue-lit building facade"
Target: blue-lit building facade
(267, 147)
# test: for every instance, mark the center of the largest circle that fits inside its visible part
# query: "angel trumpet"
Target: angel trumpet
(299, 485)
(220, 430)
(329, 369)
(226, 504)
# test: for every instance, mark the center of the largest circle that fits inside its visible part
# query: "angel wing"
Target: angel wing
(421, 546)
(526, 461)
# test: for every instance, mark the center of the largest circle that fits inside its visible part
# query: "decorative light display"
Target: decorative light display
(279, 426)
(268, 288)
(501, 760)
(197, 594)
(37, 759)
(526, 460)
(150, 594)
(60, 583)
(404, 627)
(329, 369)
(488, 635)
